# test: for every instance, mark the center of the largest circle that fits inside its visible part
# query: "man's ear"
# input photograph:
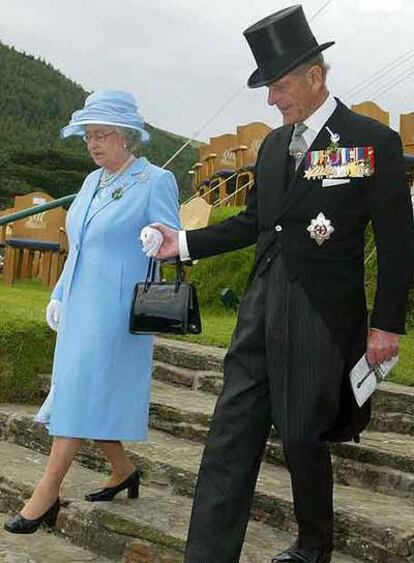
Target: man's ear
(315, 77)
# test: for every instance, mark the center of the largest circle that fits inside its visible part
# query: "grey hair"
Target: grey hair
(317, 60)
(130, 138)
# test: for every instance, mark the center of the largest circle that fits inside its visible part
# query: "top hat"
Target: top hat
(280, 43)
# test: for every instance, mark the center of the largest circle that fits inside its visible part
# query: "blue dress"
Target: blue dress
(102, 373)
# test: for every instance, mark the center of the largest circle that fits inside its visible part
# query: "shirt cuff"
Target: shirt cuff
(183, 246)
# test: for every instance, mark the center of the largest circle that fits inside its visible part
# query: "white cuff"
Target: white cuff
(183, 246)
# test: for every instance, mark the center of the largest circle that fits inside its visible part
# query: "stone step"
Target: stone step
(369, 525)
(396, 422)
(382, 420)
(41, 547)
(390, 397)
(357, 465)
(387, 450)
(381, 448)
(393, 405)
(186, 413)
(209, 381)
(188, 355)
(151, 529)
(382, 462)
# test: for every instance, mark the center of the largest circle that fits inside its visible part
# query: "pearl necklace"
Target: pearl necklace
(108, 178)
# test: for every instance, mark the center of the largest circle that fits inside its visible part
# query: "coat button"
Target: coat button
(278, 228)
(268, 259)
(77, 247)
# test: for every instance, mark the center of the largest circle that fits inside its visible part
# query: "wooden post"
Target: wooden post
(54, 269)
(35, 264)
(244, 180)
(10, 261)
(407, 132)
(223, 193)
(5, 228)
(25, 266)
(45, 269)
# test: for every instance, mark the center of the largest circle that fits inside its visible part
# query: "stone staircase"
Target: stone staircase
(374, 490)
(42, 548)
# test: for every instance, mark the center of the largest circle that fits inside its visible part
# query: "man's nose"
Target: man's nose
(272, 97)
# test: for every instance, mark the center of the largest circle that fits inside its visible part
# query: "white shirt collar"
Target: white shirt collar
(317, 120)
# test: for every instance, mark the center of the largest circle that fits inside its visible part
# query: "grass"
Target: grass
(26, 300)
(26, 343)
(404, 371)
(217, 329)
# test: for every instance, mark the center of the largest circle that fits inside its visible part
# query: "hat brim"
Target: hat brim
(78, 129)
(257, 79)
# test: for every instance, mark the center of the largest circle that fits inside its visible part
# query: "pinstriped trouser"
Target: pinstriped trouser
(283, 368)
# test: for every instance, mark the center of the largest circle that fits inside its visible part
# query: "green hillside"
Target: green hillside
(36, 100)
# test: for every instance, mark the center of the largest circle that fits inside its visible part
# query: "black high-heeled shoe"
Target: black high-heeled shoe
(131, 483)
(18, 524)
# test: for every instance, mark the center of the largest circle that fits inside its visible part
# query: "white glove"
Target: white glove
(53, 314)
(151, 240)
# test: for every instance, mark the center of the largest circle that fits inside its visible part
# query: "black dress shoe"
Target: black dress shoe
(131, 483)
(300, 555)
(18, 524)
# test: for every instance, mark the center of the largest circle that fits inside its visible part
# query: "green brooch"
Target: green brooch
(117, 194)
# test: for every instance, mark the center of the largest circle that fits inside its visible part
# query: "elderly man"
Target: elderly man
(320, 179)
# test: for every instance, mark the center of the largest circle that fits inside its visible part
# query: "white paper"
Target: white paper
(365, 378)
(334, 182)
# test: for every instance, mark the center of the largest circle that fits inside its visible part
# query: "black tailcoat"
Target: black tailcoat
(332, 274)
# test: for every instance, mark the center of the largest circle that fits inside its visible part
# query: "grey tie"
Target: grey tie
(298, 146)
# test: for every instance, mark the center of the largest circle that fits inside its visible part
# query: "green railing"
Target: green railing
(36, 209)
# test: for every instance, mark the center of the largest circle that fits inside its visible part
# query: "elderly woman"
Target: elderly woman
(102, 373)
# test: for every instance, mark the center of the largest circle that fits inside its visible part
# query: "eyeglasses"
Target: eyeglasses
(100, 137)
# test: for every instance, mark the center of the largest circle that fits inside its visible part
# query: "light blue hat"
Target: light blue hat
(107, 107)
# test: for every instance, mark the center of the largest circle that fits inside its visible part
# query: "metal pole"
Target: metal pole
(37, 209)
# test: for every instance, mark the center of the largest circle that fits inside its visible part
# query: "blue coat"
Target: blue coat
(102, 373)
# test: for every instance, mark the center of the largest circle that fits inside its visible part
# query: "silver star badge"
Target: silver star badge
(320, 229)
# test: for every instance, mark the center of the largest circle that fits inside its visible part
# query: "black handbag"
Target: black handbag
(170, 307)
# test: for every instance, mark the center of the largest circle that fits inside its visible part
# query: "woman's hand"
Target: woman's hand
(151, 240)
(169, 247)
(53, 314)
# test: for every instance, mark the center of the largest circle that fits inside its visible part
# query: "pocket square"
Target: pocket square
(334, 182)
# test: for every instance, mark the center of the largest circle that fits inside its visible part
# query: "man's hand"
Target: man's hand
(169, 247)
(382, 346)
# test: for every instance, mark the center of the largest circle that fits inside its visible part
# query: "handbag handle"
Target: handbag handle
(152, 267)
